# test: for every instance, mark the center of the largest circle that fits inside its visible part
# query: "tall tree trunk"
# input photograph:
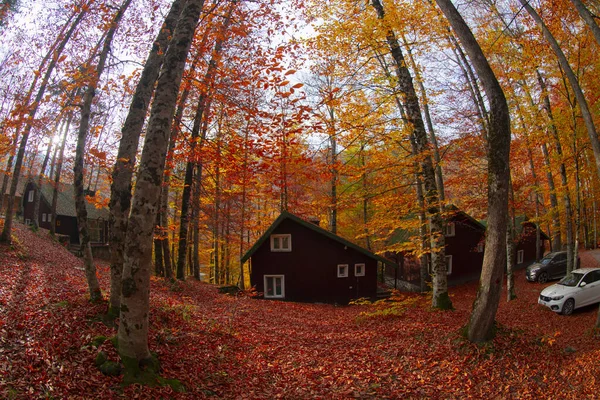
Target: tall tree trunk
(54, 53)
(59, 165)
(439, 177)
(588, 17)
(481, 323)
(120, 199)
(563, 174)
(579, 96)
(201, 109)
(510, 249)
(133, 321)
(84, 124)
(40, 181)
(410, 103)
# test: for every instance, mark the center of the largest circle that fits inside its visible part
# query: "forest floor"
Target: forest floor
(222, 346)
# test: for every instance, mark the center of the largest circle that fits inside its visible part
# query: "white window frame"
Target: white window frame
(450, 229)
(278, 239)
(274, 296)
(342, 270)
(520, 256)
(30, 196)
(356, 267)
(480, 247)
(448, 264)
(43, 217)
(49, 217)
(27, 221)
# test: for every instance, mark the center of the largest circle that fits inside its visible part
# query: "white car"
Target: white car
(579, 289)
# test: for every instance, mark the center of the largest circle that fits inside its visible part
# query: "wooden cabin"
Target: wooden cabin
(66, 214)
(297, 260)
(465, 244)
(525, 252)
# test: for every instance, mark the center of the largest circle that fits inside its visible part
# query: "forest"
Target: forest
(195, 123)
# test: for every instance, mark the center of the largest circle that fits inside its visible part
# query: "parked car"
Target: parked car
(579, 289)
(552, 266)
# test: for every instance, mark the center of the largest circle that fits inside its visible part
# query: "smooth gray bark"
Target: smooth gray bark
(482, 321)
(120, 199)
(414, 120)
(135, 293)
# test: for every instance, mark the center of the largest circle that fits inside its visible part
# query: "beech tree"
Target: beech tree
(481, 323)
(133, 321)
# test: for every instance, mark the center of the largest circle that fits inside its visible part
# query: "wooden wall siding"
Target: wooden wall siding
(466, 260)
(527, 244)
(310, 269)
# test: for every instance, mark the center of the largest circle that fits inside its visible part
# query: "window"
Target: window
(520, 256)
(359, 270)
(274, 286)
(281, 242)
(450, 229)
(30, 196)
(342, 271)
(95, 230)
(449, 265)
(43, 217)
(27, 221)
(480, 247)
(49, 217)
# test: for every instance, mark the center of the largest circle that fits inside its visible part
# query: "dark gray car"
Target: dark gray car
(552, 266)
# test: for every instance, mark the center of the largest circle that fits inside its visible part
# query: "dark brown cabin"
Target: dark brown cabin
(525, 253)
(66, 214)
(299, 261)
(464, 238)
(465, 241)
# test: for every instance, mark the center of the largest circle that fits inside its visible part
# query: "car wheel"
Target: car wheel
(568, 307)
(543, 278)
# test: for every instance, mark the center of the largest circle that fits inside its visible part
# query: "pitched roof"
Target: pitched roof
(520, 222)
(66, 202)
(286, 215)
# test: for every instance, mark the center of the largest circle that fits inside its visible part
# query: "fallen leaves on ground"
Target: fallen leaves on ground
(222, 346)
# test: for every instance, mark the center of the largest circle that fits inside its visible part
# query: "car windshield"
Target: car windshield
(571, 280)
(546, 260)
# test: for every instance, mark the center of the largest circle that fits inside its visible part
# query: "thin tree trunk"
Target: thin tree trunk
(482, 321)
(133, 321)
(510, 249)
(203, 101)
(86, 110)
(588, 17)
(40, 181)
(439, 177)
(61, 157)
(563, 174)
(120, 199)
(410, 103)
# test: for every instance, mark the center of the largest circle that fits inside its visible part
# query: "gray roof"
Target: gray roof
(66, 202)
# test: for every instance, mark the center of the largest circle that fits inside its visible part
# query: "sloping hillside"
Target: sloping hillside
(221, 346)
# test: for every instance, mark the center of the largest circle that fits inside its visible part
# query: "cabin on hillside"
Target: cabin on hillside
(66, 215)
(297, 260)
(465, 244)
(465, 239)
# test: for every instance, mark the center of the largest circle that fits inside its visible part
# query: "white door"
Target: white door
(274, 286)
